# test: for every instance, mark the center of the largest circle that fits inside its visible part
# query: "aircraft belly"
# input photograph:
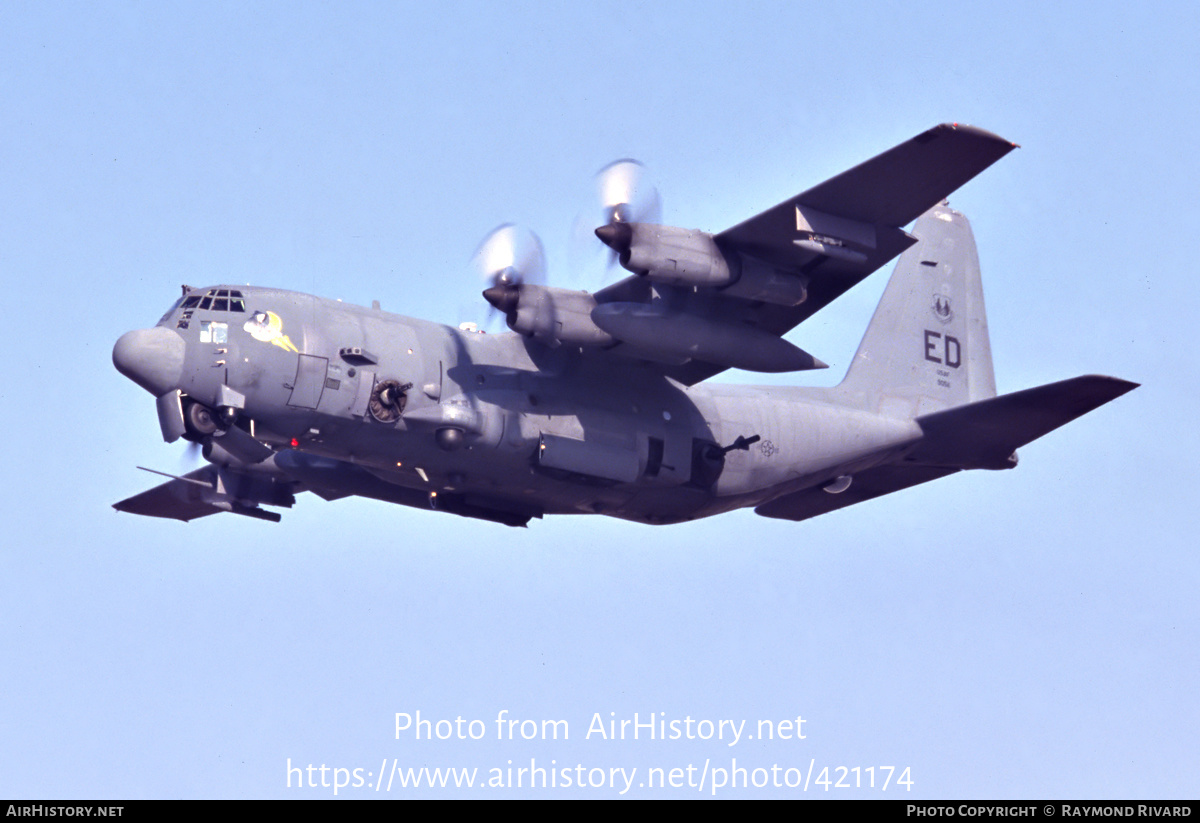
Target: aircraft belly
(800, 441)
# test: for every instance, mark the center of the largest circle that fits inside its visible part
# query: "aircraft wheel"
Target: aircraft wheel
(200, 420)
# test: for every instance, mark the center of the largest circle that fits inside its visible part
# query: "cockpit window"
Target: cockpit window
(212, 300)
(171, 310)
(217, 300)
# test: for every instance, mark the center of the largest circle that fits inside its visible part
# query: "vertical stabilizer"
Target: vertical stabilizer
(927, 347)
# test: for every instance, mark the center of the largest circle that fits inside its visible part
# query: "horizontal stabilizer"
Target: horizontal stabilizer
(981, 435)
(864, 486)
(985, 434)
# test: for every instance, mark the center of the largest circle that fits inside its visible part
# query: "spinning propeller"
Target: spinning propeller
(627, 196)
(626, 193)
(508, 258)
(511, 257)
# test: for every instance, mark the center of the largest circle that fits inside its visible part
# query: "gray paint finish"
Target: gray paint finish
(596, 403)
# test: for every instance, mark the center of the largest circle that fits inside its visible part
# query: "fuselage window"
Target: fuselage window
(213, 332)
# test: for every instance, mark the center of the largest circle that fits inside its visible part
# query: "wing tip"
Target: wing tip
(975, 131)
(1116, 386)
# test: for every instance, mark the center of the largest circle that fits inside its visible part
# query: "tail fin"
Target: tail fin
(926, 357)
(927, 347)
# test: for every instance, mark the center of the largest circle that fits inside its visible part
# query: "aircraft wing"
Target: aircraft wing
(824, 241)
(211, 490)
(181, 498)
(892, 189)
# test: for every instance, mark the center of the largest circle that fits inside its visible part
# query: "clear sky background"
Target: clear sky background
(1024, 634)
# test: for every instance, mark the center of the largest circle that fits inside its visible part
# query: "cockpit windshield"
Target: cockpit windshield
(211, 300)
(216, 300)
(171, 310)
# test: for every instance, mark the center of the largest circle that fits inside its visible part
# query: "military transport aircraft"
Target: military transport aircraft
(596, 403)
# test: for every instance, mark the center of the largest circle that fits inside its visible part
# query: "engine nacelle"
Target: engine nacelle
(690, 258)
(666, 254)
(556, 316)
(764, 283)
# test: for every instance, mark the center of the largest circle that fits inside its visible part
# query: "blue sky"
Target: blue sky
(1019, 634)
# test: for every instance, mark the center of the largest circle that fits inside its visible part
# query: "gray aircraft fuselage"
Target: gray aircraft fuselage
(641, 436)
(597, 403)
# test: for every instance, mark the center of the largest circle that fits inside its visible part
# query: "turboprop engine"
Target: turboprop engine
(648, 316)
(692, 259)
(666, 254)
(552, 316)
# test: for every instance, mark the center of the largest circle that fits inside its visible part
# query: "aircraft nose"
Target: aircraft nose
(152, 358)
